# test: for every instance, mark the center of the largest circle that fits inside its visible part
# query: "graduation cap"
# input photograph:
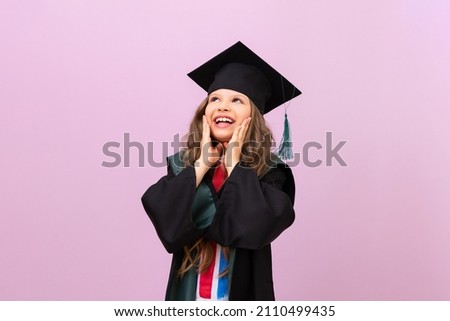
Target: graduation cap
(240, 69)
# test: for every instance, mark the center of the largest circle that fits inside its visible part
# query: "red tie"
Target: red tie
(219, 176)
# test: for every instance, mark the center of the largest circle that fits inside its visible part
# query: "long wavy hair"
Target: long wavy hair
(255, 154)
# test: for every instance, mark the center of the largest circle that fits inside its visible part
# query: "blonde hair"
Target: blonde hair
(255, 152)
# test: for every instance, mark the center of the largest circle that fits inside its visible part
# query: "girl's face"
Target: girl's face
(226, 110)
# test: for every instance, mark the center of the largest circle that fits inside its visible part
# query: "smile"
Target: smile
(224, 120)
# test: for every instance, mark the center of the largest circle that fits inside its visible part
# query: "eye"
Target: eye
(237, 100)
(213, 99)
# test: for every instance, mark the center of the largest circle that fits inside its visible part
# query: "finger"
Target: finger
(246, 123)
(205, 125)
(206, 131)
(239, 134)
(235, 135)
(245, 127)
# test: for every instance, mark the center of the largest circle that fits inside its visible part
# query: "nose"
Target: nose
(223, 107)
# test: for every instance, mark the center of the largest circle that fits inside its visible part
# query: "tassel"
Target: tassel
(284, 150)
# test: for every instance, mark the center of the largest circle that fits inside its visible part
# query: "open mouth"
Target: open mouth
(223, 120)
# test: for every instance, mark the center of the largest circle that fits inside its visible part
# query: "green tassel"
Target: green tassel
(284, 150)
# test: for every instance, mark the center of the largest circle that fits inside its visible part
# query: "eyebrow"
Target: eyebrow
(240, 96)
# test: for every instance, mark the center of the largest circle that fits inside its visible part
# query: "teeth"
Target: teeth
(223, 119)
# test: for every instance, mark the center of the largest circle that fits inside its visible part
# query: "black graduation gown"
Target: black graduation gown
(250, 214)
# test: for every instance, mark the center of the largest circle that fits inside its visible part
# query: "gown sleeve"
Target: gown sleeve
(168, 203)
(251, 212)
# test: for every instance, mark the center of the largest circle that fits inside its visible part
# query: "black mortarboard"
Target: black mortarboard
(240, 69)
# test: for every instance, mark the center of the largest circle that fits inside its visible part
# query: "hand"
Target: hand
(234, 146)
(209, 154)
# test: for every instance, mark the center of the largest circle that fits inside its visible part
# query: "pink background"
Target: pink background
(77, 74)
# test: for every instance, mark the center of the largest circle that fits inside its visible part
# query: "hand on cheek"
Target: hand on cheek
(234, 146)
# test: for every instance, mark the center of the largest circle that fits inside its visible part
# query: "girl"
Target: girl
(226, 197)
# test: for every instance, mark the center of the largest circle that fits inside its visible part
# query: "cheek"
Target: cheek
(246, 112)
(208, 111)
